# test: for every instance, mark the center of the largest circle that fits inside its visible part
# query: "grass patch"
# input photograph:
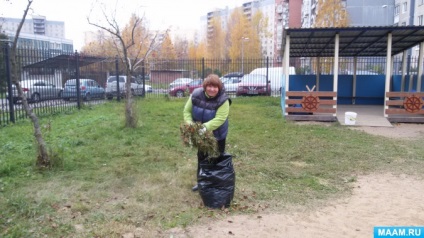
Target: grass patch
(111, 180)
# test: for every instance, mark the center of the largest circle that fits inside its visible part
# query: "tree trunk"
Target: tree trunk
(43, 160)
(130, 117)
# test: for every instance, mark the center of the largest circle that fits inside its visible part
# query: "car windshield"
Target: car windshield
(71, 82)
(253, 78)
(113, 79)
(226, 80)
(182, 80)
(195, 83)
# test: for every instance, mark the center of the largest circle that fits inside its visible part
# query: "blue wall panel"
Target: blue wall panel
(344, 89)
(326, 83)
(397, 79)
(299, 82)
(370, 89)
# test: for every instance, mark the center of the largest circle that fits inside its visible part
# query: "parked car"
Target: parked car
(275, 75)
(89, 89)
(231, 81)
(254, 84)
(359, 72)
(178, 91)
(180, 82)
(36, 90)
(233, 75)
(136, 86)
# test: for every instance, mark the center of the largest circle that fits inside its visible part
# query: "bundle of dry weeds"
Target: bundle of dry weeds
(204, 142)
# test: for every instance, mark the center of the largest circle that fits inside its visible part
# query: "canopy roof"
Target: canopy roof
(354, 41)
(65, 61)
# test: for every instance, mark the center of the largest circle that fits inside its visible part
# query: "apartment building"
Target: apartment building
(409, 12)
(360, 12)
(38, 33)
(277, 12)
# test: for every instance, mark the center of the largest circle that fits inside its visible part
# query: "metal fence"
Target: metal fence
(351, 65)
(156, 77)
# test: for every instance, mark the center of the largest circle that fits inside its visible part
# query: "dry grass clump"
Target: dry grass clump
(204, 142)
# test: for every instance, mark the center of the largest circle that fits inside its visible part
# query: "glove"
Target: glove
(202, 131)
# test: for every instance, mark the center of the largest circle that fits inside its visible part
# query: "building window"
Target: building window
(397, 10)
(421, 2)
(420, 20)
(404, 6)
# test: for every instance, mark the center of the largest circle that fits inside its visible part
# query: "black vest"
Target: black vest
(204, 110)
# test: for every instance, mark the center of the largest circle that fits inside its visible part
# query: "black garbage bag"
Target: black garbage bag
(216, 181)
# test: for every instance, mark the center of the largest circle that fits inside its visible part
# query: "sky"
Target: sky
(161, 14)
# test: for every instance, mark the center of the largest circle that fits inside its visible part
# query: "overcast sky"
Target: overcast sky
(161, 14)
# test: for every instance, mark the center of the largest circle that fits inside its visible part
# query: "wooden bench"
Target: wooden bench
(311, 106)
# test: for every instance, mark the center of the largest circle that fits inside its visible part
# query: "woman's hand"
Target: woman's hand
(202, 130)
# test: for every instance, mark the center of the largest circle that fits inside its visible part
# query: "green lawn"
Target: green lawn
(109, 180)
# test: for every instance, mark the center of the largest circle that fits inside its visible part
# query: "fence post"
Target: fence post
(118, 92)
(267, 77)
(143, 78)
(9, 84)
(203, 68)
(77, 78)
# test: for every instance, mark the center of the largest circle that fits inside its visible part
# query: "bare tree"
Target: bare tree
(123, 46)
(43, 159)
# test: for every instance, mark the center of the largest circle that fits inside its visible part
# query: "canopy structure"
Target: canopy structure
(353, 41)
(386, 41)
(65, 61)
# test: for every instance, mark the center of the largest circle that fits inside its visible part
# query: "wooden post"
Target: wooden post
(388, 70)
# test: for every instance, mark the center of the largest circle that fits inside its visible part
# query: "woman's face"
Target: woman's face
(212, 90)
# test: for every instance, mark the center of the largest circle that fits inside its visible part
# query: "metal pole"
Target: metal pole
(242, 54)
(9, 84)
(77, 78)
(267, 76)
(144, 79)
(118, 95)
(203, 69)
(385, 13)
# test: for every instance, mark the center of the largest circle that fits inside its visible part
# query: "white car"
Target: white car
(136, 86)
(231, 84)
(180, 82)
(275, 76)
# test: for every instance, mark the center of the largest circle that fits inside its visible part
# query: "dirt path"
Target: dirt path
(376, 200)
(398, 131)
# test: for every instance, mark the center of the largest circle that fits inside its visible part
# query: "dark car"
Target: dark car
(89, 89)
(253, 84)
(234, 75)
(178, 91)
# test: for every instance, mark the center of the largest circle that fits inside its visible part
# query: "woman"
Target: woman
(210, 106)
